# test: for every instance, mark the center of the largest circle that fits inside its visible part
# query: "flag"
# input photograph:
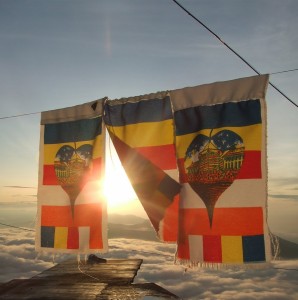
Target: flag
(142, 132)
(71, 208)
(221, 149)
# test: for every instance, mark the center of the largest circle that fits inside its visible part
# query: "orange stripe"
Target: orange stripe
(88, 214)
(60, 216)
(226, 221)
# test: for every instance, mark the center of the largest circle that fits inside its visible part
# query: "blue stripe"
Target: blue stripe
(153, 110)
(47, 236)
(231, 114)
(74, 131)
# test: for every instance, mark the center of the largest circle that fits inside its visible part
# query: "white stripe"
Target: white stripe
(195, 248)
(242, 193)
(84, 238)
(56, 196)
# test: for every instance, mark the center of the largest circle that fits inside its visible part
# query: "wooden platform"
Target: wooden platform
(108, 279)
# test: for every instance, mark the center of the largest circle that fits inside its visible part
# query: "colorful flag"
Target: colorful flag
(221, 150)
(71, 208)
(142, 132)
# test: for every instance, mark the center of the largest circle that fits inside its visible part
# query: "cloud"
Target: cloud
(19, 260)
(283, 196)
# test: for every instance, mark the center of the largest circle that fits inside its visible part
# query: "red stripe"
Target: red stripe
(49, 175)
(170, 221)
(250, 169)
(73, 238)
(212, 248)
(50, 178)
(163, 156)
(97, 170)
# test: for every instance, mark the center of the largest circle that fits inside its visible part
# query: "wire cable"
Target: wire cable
(22, 228)
(39, 112)
(231, 49)
(20, 115)
(279, 72)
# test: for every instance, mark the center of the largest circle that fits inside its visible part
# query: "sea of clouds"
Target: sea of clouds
(18, 259)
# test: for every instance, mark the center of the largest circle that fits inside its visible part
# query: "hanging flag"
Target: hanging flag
(72, 212)
(221, 150)
(142, 132)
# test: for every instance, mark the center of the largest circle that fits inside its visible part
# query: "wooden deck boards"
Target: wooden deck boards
(111, 279)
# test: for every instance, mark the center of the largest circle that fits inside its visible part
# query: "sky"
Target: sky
(60, 53)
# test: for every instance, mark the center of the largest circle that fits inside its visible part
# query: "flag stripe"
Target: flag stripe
(61, 216)
(73, 238)
(61, 230)
(161, 156)
(51, 150)
(251, 158)
(226, 221)
(232, 114)
(152, 110)
(145, 134)
(81, 130)
(251, 136)
(212, 251)
(246, 196)
(61, 234)
(50, 178)
(170, 224)
(232, 251)
(251, 167)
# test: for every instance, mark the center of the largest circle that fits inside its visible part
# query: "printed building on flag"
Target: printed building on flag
(71, 209)
(220, 141)
(142, 132)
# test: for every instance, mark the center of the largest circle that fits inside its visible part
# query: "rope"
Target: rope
(232, 50)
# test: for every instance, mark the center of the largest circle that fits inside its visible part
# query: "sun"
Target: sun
(117, 188)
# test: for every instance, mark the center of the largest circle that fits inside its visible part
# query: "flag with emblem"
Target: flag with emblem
(71, 208)
(142, 132)
(221, 149)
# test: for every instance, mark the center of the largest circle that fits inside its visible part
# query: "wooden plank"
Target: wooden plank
(120, 271)
(96, 279)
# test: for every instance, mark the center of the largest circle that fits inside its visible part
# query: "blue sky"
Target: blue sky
(60, 53)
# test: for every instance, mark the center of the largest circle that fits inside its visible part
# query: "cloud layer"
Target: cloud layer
(19, 260)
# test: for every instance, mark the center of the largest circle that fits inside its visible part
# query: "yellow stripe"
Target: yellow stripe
(251, 136)
(232, 249)
(50, 150)
(60, 237)
(145, 134)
